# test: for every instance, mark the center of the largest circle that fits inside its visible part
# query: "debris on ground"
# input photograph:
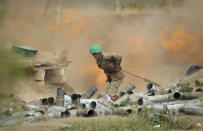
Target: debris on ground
(184, 97)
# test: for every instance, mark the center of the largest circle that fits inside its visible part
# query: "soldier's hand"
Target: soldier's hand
(116, 69)
(108, 79)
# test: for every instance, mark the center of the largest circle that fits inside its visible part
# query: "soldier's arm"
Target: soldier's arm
(115, 59)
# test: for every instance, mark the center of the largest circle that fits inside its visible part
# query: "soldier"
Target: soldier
(110, 63)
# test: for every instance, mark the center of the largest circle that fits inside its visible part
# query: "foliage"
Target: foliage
(158, 117)
(147, 120)
(185, 87)
(122, 104)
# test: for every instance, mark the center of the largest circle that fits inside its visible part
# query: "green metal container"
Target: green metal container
(24, 50)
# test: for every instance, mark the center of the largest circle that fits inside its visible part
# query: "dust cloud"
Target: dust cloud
(157, 43)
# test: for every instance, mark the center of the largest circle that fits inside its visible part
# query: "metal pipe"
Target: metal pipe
(31, 113)
(140, 101)
(200, 104)
(104, 109)
(140, 94)
(83, 106)
(54, 115)
(67, 100)
(33, 118)
(163, 106)
(65, 114)
(158, 98)
(127, 89)
(191, 109)
(8, 123)
(37, 114)
(171, 109)
(151, 88)
(44, 101)
(177, 95)
(177, 106)
(73, 113)
(165, 91)
(75, 99)
(60, 97)
(32, 107)
(24, 113)
(90, 92)
(121, 94)
(100, 112)
(199, 82)
(93, 104)
(184, 101)
(123, 99)
(28, 113)
(87, 101)
(129, 92)
(89, 112)
(133, 99)
(191, 95)
(126, 110)
(106, 97)
(129, 109)
(188, 95)
(168, 90)
(199, 90)
(76, 112)
(50, 100)
(99, 106)
(195, 103)
(56, 108)
(163, 98)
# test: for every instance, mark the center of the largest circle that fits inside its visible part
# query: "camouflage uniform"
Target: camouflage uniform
(107, 62)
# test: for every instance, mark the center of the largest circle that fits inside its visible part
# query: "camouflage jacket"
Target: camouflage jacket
(108, 61)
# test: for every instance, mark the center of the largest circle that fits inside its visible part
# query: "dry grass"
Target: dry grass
(148, 120)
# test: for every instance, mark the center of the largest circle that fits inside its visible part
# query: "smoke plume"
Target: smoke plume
(157, 43)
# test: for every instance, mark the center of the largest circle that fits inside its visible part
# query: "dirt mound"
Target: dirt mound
(29, 90)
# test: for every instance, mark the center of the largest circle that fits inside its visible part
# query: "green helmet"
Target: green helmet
(95, 49)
